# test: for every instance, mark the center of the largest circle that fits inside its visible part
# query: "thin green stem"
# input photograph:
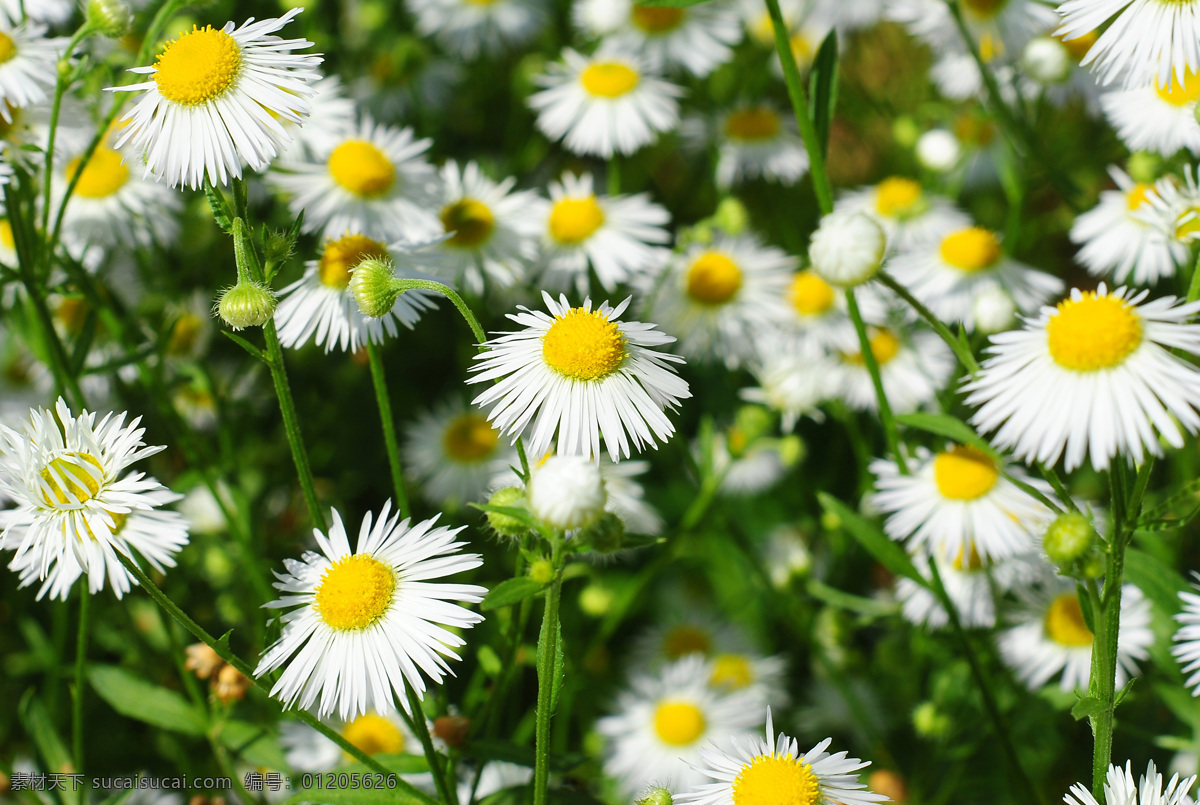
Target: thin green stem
(405, 284)
(389, 426)
(81, 643)
(965, 356)
(417, 723)
(60, 89)
(547, 652)
(1194, 287)
(890, 430)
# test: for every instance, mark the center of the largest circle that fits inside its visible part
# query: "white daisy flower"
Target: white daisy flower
(1146, 41)
(764, 678)
(719, 297)
(375, 734)
(455, 454)
(490, 231)
(215, 101)
(818, 311)
(1120, 790)
(1153, 118)
(496, 776)
(28, 64)
(757, 20)
(747, 467)
(621, 237)
(755, 141)
(913, 370)
(690, 629)
(849, 15)
(909, 216)
(624, 496)
(661, 722)
(332, 119)
(25, 132)
(1172, 207)
(967, 584)
(775, 770)
(1187, 638)
(1114, 239)
(51, 12)
(375, 181)
(469, 28)
(793, 378)
(696, 39)
(582, 374)
(370, 623)
(321, 306)
(1000, 28)
(950, 274)
(1093, 376)
(604, 104)
(77, 508)
(1052, 636)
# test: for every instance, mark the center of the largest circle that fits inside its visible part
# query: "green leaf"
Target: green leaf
(1087, 707)
(246, 345)
(40, 728)
(823, 89)
(868, 607)
(556, 672)
(1123, 692)
(138, 699)
(510, 592)
(83, 344)
(887, 552)
(521, 755)
(256, 745)
(1085, 607)
(220, 210)
(950, 427)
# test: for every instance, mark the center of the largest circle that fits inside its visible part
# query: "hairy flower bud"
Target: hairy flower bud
(373, 283)
(510, 497)
(246, 304)
(1069, 538)
(111, 18)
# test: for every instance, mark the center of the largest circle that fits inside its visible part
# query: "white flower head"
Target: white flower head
(567, 492)
(469, 28)
(1119, 789)
(1187, 637)
(847, 248)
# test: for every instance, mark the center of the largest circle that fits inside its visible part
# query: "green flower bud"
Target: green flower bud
(246, 304)
(753, 421)
(656, 796)
(905, 131)
(731, 216)
(791, 450)
(541, 571)
(374, 286)
(596, 600)
(111, 18)
(606, 534)
(929, 722)
(511, 497)
(1144, 166)
(1069, 538)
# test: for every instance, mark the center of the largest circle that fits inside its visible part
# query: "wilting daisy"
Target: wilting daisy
(909, 216)
(1120, 790)
(757, 141)
(215, 101)
(1153, 118)
(696, 39)
(375, 734)
(1146, 41)
(949, 275)
(755, 770)
(793, 378)
(1187, 637)
(1052, 636)
(491, 233)
(582, 374)
(455, 454)
(1093, 376)
(660, 723)
(720, 296)
(469, 28)
(620, 237)
(28, 64)
(913, 369)
(371, 622)
(1114, 239)
(375, 181)
(77, 508)
(604, 104)
(321, 306)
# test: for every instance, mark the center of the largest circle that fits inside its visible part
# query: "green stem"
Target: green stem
(60, 89)
(389, 426)
(421, 730)
(81, 643)
(448, 292)
(965, 356)
(1194, 287)
(885, 409)
(547, 651)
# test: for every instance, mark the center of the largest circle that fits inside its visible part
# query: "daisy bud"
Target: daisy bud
(566, 492)
(1144, 166)
(509, 497)
(994, 311)
(929, 722)
(1068, 539)
(731, 216)
(246, 304)
(791, 450)
(374, 286)
(596, 600)
(656, 796)
(606, 534)
(937, 150)
(541, 571)
(111, 18)
(847, 248)
(1047, 60)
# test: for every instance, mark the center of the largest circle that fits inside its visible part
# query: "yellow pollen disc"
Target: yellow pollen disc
(573, 220)
(198, 67)
(974, 561)
(684, 640)
(361, 168)
(1093, 332)
(964, 473)
(609, 79)
(991, 47)
(984, 8)
(654, 20)
(355, 592)
(713, 279)
(342, 255)
(731, 671)
(103, 175)
(471, 222)
(1136, 196)
(583, 345)
(8, 48)
(1064, 622)
(896, 196)
(802, 49)
(1080, 45)
(470, 437)
(809, 294)
(1187, 223)
(776, 780)
(884, 346)
(6, 235)
(184, 335)
(71, 314)
(374, 735)
(679, 723)
(68, 471)
(971, 249)
(755, 124)
(1178, 94)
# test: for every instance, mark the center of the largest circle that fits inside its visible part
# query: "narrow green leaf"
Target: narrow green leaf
(1161, 584)
(887, 552)
(1087, 707)
(253, 744)
(823, 89)
(138, 699)
(949, 426)
(246, 345)
(1123, 692)
(40, 728)
(556, 673)
(1085, 607)
(522, 516)
(83, 344)
(512, 591)
(852, 603)
(220, 210)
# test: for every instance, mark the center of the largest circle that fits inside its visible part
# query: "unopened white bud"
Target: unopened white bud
(847, 248)
(567, 492)
(994, 311)
(938, 150)
(1047, 60)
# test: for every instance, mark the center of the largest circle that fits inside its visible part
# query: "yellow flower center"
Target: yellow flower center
(471, 222)
(971, 249)
(8, 48)
(802, 49)
(374, 735)
(68, 480)
(655, 20)
(896, 196)
(713, 278)
(1187, 223)
(964, 473)
(684, 640)
(199, 66)
(1064, 622)
(754, 124)
(991, 47)
(355, 592)
(71, 313)
(1093, 332)
(809, 294)
(884, 346)
(1137, 195)
(103, 175)
(1178, 94)
(6, 235)
(968, 561)
(1080, 45)
(573, 220)
(609, 79)
(678, 723)
(184, 334)
(469, 437)
(731, 671)
(583, 345)
(776, 780)
(361, 168)
(341, 256)
(984, 8)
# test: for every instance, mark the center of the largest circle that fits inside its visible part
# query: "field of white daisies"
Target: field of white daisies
(600, 402)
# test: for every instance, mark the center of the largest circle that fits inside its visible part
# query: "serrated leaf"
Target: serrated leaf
(887, 552)
(512, 591)
(246, 345)
(220, 210)
(1160, 583)
(256, 745)
(40, 728)
(138, 699)
(1087, 707)
(823, 89)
